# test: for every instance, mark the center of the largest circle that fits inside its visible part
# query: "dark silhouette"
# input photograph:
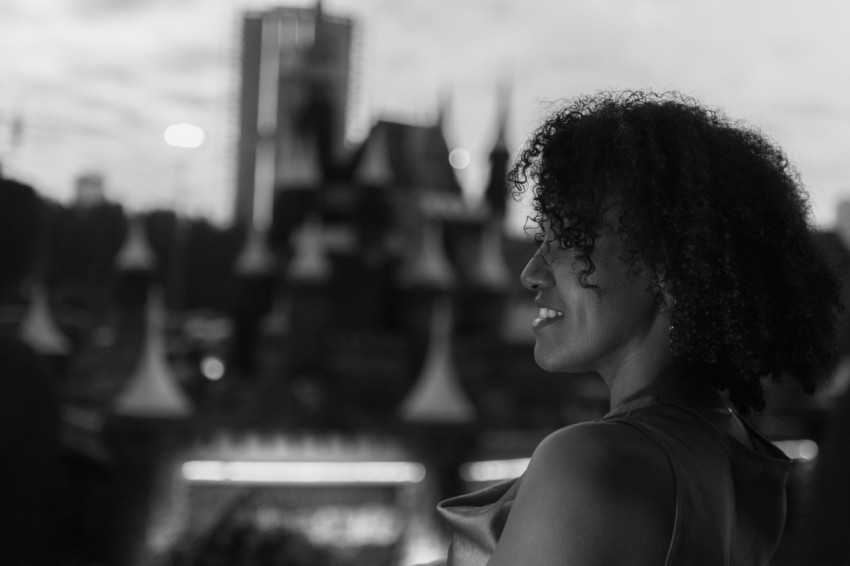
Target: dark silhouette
(30, 469)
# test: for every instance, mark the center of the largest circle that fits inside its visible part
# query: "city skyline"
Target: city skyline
(92, 85)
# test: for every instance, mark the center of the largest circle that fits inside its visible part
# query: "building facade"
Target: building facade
(296, 67)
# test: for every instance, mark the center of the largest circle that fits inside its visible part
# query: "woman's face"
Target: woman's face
(602, 329)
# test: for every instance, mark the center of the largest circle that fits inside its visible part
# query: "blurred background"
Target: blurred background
(275, 293)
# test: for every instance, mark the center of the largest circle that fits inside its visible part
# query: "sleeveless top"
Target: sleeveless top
(730, 498)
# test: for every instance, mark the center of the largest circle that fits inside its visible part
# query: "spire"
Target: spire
(488, 267)
(310, 263)
(437, 396)
(374, 166)
(842, 223)
(495, 192)
(136, 253)
(428, 265)
(444, 105)
(38, 328)
(503, 105)
(444, 119)
(152, 390)
(255, 258)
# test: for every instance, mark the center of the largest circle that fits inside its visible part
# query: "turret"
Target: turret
(255, 270)
(374, 167)
(424, 275)
(437, 396)
(494, 194)
(135, 262)
(152, 390)
(39, 328)
(487, 282)
(308, 277)
(427, 265)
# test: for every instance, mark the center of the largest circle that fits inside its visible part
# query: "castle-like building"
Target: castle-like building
(363, 241)
(378, 319)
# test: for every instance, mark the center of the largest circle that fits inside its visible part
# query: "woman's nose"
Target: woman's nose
(536, 273)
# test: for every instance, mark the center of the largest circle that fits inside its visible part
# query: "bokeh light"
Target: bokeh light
(184, 135)
(459, 158)
(212, 368)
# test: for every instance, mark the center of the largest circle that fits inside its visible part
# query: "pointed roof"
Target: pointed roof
(438, 396)
(374, 165)
(842, 223)
(39, 328)
(444, 105)
(152, 390)
(427, 264)
(488, 267)
(406, 156)
(310, 262)
(503, 104)
(255, 258)
(136, 253)
(495, 193)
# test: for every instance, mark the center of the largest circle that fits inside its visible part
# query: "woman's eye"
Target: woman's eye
(571, 239)
(567, 243)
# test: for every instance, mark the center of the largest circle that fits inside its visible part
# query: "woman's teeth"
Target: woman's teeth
(549, 313)
(545, 314)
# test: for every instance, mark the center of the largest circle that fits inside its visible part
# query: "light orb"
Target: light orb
(212, 368)
(459, 158)
(185, 135)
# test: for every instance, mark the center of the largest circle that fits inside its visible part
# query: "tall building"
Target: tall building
(296, 66)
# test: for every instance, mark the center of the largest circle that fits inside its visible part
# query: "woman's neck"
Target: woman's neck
(694, 391)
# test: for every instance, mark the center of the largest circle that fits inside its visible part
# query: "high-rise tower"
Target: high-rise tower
(296, 66)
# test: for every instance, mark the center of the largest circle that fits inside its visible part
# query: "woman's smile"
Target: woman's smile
(545, 317)
(601, 326)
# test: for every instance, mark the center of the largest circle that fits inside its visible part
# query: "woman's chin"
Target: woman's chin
(555, 362)
(546, 361)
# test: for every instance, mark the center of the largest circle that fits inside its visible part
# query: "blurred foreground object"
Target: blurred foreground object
(30, 475)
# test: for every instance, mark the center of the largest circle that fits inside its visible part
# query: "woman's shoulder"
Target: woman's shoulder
(609, 460)
(594, 492)
(595, 445)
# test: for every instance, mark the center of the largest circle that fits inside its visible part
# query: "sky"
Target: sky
(94, 83)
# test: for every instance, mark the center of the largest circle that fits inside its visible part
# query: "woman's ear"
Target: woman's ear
(668, 299)
(665, 295)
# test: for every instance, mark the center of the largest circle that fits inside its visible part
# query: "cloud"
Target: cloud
(120, 8)
(105, 76)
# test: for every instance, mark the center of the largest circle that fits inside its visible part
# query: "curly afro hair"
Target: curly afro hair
(718, 213)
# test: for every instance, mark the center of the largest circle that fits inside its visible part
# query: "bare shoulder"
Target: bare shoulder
(594, 493)
(595, 447)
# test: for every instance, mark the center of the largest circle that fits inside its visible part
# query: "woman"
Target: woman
(676, 262)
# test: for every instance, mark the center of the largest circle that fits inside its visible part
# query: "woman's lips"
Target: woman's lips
(545, 317)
